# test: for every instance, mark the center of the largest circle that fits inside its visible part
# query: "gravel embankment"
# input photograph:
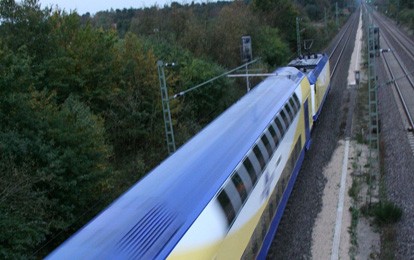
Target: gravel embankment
(398, 161)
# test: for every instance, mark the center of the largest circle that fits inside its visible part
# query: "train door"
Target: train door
(307, 129)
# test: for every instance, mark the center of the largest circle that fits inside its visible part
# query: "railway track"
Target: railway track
(398, 159)
(340, 45)
(397, 61)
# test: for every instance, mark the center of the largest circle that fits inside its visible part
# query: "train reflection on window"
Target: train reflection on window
(240, 187)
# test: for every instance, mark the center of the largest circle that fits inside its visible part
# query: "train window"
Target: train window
(295, 97)
(297, 103)
(263, 150)
(267, 145)
(280, 126)
(233, 194)
(274, 136)
(259, 156)
(270, 138)
(250, 170)
(285, 118)
(289, 110)
(227, 206)
(293, 105)
(245, 177)
(240, 187)
(279, 133)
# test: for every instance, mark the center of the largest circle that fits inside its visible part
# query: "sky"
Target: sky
(93, 6)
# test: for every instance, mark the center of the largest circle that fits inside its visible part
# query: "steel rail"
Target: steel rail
(403, 39)
(397, 38)
(397, 86)
(348, 32)
(388, 30)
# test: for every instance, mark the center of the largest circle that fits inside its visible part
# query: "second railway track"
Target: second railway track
(395, 62)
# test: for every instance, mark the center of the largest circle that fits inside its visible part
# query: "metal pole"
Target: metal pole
(374, 160)
(247, 78)
(169, 132)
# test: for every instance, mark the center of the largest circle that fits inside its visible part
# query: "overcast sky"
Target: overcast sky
(93, 6)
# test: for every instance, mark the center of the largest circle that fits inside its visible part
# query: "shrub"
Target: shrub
(387, 213)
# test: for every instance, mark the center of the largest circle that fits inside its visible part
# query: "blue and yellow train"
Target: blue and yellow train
(223, 193)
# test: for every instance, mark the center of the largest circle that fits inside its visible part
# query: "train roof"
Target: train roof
(148, 220)
(312, 65)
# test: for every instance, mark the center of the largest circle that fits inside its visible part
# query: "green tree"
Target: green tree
(134, 118)
(81, 62)
(232, 23)
(272, 48)
(64, 148)
(23, 209)
(279, 14)
(25, 24)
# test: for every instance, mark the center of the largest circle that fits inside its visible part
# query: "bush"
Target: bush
(383, 212)
(387, 213)
(407, 17)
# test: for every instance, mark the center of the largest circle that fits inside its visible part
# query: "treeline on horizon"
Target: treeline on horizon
(400, 10)
(80, 106)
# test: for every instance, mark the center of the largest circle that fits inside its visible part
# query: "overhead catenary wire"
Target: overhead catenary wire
(393, 80)
(182, 93)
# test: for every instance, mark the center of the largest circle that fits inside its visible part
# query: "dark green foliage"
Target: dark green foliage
(25, 24)
(205, 104)
(273, 49)
(314, 12)
(387, 213)
(81, 62)
(400, 10)
(407, 17)
(384, 212)
(23, 208)
(134, 117)
(58, 154)
(280, 14)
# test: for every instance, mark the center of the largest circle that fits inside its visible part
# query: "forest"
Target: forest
(80, 104)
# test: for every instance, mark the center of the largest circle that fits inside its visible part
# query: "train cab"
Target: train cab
(316, 68)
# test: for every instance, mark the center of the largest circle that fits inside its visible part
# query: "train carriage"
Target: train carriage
(316, 68)
(222, 194)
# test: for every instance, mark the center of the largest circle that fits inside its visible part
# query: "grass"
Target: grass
(387, 213)
(353, 191)
(353, 231)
